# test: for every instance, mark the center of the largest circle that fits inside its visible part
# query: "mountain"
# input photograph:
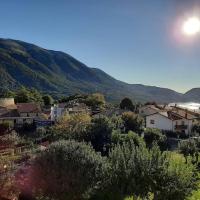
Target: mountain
(193, 94)
(58, 73)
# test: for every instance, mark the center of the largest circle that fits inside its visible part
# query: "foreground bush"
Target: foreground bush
(67, 170)
(138, 171)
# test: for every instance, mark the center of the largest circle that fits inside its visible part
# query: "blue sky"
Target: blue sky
(136, 41)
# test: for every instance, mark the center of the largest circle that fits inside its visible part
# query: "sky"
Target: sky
(136, 41)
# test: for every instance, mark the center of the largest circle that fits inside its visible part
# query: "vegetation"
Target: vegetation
(95, 100)
(152, 136)
(68, 170)
(132, 122)
(96, 157)
(127, 104)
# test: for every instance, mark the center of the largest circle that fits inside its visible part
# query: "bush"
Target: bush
(67, 170)
(170, 134)
(153, 135)
(4, 127)
(119, 138)
(132, 122)
(138, 171)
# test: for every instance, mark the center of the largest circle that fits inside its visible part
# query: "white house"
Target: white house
(171, 121)
(58, 110)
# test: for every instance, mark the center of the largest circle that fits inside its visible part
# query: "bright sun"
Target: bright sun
(191, 26)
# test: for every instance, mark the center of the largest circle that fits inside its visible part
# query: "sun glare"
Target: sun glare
(191, 26)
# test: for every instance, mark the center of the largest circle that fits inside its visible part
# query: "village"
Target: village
(30, 127)
(171, 117)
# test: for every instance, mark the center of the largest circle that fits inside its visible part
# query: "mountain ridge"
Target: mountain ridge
(56, 72)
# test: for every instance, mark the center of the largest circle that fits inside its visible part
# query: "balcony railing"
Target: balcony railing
(181, 127)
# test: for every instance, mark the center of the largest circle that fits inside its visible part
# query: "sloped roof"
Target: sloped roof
(28, 108)
(4, 113)
(173, 115)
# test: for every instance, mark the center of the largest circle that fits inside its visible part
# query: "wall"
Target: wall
(188, 123)
(4, 102)
(160, 122)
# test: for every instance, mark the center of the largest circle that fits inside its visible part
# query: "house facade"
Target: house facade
(171, 121)
(18, 114)
(61, 109)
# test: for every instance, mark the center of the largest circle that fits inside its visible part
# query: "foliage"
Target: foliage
(118, 123)
(132, 122)
(119, 138)
(100, 134)
(95, 100)
(7, 186)
(68, 170)
(6, 93)
(127, 104)
(47, 99)
(4, 126)
(153, 135)
(74, 126)
(137, 171)
(196, 127)
(25, 95)
(190, 148)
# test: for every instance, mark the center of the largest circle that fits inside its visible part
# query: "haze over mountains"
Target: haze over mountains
(56, 72)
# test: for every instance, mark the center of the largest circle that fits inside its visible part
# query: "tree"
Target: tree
(132, 122)
(6, 93)
(189, 148)
(67, 170)
(95, 100)
(127, 104)
(100, 134)
(25, 95)
(22, 95)
(153, 135)
(74, 126)
(47, 99)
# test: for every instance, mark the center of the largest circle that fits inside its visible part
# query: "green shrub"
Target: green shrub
(67, 170)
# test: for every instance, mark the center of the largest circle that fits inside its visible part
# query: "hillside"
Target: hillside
(193, 94)
(59, 73)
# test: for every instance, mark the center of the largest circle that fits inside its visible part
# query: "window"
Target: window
(183, 123)
(152, 121)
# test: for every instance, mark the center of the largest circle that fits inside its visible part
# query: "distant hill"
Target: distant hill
(193, 94)
(56, 72)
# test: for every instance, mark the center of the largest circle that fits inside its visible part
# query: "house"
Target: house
(181, 122)
(58, 110)
(18, 114)
(148, 110)
(28, 112)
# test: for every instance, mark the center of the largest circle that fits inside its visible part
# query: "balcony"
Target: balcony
(181, 127)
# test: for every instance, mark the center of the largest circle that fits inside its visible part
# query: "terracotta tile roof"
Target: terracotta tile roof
(173, 116)
(28, 108)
